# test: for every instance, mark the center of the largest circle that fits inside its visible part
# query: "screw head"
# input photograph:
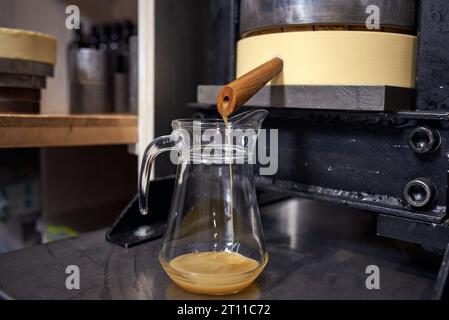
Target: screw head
(419, 192)
(423, 140)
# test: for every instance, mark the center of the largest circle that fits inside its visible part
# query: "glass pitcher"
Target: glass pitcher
(214, 242)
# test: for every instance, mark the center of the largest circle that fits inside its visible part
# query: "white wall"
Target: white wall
(46, 16)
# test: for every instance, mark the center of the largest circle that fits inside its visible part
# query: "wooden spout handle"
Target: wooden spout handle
(234, 95)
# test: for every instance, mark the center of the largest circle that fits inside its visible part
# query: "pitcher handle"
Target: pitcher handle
(156, 147)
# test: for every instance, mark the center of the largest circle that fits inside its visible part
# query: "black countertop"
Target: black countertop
(316, 251)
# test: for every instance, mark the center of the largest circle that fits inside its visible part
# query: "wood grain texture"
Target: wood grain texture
(19, 131)
(237, 93)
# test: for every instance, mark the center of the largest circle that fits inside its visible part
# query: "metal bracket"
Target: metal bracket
(430, 235)
(132, 228)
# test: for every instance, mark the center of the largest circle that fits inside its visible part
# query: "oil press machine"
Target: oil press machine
(361, 106)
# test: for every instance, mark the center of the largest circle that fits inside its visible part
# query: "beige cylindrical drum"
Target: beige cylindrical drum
(26, 59)
(334, 57)
(27, 45)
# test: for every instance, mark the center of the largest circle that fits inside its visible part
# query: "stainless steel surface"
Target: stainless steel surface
(89, 99)
(315, 251)
(90, 88)
(22, 81)
(89, 66)
(357, 98)
(15, 66)
(264, 14)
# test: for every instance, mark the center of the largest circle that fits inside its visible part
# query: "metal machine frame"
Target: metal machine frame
(391, 163)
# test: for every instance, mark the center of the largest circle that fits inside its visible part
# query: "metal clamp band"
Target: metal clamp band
(256, 15)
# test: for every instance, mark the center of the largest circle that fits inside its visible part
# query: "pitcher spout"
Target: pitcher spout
(253, 118)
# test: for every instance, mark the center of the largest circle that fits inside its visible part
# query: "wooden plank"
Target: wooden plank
(20, 131)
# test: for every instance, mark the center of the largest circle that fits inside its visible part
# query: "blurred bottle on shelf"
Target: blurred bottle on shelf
(103, 37)
(100, 65)
(90, 82)
(133, 73)
(93, 40)
(121, 72)
(88, 71)
(124, 46)
(78, 39)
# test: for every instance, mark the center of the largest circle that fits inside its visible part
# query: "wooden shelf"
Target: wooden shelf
(22, 131)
